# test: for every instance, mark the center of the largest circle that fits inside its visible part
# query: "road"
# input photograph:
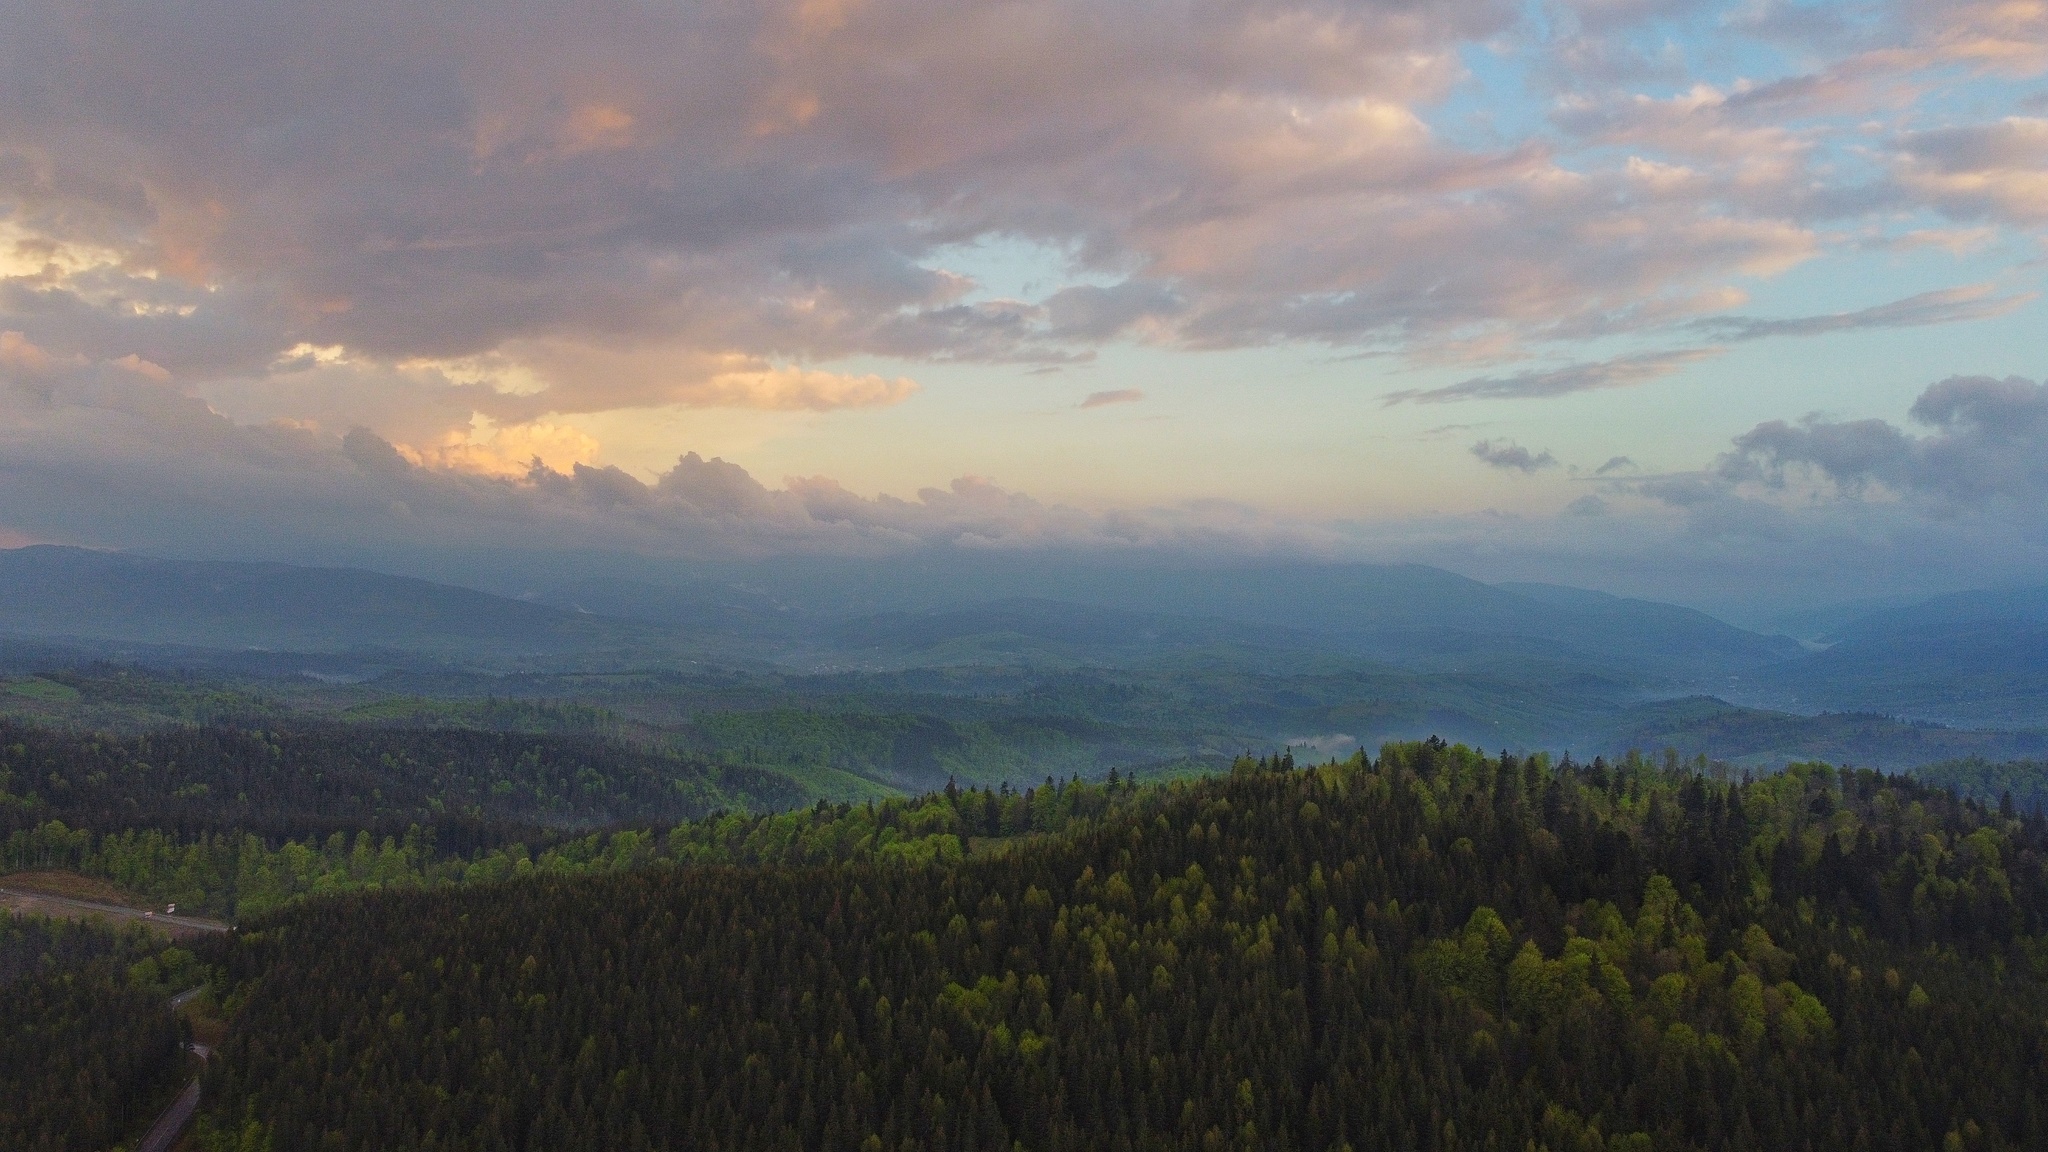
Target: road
(43, 904)
(171, 1124)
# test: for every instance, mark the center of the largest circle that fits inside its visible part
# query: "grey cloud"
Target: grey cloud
(1681, 491)
(716, 487)
(1509, 455)
(1824, 25)
(1987, 446)
(1115, 396)
(1943, 306)
(1615, 464)
(1604, 15)
(570, 186)
(607, 487)
(110, 454)
(1597, 42)
(2012, 408)
(2015, 142)
(1853, 453)
(1822, 508)
(1522, 247)
(117, 455)
(765, 177)
(1620, 372)
(1962, 505)
(1090, 312)
(1995, 171)
(373, 454)
(1770, 148)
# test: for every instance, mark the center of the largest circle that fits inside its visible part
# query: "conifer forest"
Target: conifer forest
(1023, 576)
(1432, 947)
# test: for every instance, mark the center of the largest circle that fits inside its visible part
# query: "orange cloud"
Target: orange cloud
(797, 389)
(507, 451)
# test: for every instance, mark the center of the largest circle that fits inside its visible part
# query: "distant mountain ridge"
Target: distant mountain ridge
(1976, 658)
(1979, 606)
(1763, 738)
(1409, 615)
(58, 593)
(1972, 659)
(1032, 611)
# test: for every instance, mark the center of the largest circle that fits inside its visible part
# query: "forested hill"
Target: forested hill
(1433, 949)
(322, 776)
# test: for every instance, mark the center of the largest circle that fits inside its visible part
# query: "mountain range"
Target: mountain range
(1316, 652)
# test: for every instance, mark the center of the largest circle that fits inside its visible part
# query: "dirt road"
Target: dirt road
(43, 904)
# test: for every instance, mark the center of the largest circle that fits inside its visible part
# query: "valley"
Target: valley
(1038, 866)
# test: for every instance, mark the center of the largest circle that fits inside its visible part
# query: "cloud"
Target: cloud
(1995, 36)
(1987, 448)
(1088, 312)
(1807, 25)
(470, 228)
(1615, 464)
(1943, 306)
(1782, 145)
(618, 206)
(1619, 372)
(799, 389)
(1997, 171)
(1954, 241)
(745, 180)
(1118, 396)
(104, 454)
(1800, 511)
(1512, 456)
(509, 452)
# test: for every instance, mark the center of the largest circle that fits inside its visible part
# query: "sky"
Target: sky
(1733, 304)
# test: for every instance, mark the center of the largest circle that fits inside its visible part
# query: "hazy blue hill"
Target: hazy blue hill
(1969, 673)
(1312, 596)
(1404, 613)
(958, 608)
(1980, 606)
(701, 606)
(1764, 738)
(1181, 662)
(1418, 614)
(76, 594)
(1330, 597)
(1043, 631)
(1663, 630)
(1968, 658)
(1819, 623)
